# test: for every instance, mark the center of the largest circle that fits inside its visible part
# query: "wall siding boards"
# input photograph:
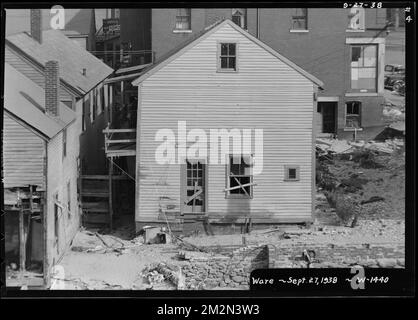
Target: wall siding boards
(23, 155)
(265, 94)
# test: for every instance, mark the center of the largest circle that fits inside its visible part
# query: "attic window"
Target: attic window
(227, 57)
(183, 19)
(291, 173)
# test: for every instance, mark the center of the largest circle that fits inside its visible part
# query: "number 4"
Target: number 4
(408, 19)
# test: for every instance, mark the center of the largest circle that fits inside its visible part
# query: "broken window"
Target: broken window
(364, 67)
(227, 57)
(240, 178)
(353, 114)
(239, 17)
(292, 173)
(300, 19)
(183, 19)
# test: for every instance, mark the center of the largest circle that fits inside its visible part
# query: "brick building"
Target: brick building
(345, 48)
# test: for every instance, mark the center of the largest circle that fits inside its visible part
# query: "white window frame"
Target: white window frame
(348, 128)
(218, 57)
(181, 16)
(299, 17)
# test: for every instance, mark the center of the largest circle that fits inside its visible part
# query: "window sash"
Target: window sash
(228, 56)
(352, 115)
(364, 67)
(244, 176)
(183, 19)
(300, 19)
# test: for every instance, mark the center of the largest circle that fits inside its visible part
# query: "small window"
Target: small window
(300, 19)
(239, 177)
(183, 19)
(64, 142)
(292, 173)
(69, 199)
(353, 114)
(239, 17)
(68, 103)
(356, 19)
(227, 57)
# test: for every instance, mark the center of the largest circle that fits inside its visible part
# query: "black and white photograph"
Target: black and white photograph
(164, 148)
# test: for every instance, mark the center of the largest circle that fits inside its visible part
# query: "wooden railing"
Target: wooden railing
(120, 142)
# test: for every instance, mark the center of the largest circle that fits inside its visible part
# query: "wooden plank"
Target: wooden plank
(194, 196)
(96, 218)
(121, 153)
(104, 177)
(120, 141)
(240, 186)
(95, 205)
(95, 194)
(118, 130)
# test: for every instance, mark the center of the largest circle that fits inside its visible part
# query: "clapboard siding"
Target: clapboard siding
(62, 170)
(23, 155)
(32, 72)
(265, 94)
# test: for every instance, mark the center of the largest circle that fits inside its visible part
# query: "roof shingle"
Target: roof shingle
(71, 57)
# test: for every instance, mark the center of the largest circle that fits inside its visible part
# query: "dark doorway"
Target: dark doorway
(328, 114)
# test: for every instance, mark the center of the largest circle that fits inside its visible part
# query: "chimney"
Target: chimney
(36, 24)
(51, 88)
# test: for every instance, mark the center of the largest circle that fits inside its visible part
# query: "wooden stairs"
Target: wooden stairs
(95, 200)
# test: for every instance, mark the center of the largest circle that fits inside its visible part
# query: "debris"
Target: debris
(373, 199)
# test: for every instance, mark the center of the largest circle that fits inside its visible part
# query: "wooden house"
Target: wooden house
(55, 110)
(225, 78)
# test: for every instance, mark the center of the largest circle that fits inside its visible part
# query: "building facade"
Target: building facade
(80, 90)
(226, 79)
(345, 48)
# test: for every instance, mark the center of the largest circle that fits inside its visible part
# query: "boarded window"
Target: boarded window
(227, 57)
(239, 17)
(183, 19)
(300, 19)
(364, 67)
(239, 177)
(353, 114)
(292, 173)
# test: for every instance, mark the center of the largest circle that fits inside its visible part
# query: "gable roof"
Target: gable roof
(25, 100)
(203, 35)
(71, 57)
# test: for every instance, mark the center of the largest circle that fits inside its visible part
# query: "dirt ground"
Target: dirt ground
(117, 260)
